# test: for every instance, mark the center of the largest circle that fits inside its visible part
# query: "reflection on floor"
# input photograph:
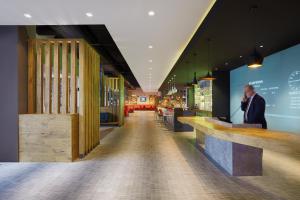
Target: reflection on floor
(143, 160)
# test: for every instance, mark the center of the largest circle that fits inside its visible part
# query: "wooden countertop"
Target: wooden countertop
(261, 138)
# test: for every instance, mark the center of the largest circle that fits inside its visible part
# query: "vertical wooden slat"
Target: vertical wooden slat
(121, 100)
(73, 97)
(95, 100)
(47, 101)
(105, 90)
(98, 99)
(89, 100)
(92, 99)
(86, 100)
(31, 76)
(93, 95)
(65, 83)
(82, 91)
(56, 72)
(117, 85)
(39, 78)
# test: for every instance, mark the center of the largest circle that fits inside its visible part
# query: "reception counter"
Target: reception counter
(239, 150)
(170, 119)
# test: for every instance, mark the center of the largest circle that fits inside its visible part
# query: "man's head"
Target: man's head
(249, 90)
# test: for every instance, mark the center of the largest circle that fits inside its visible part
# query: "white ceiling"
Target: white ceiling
(168, 31)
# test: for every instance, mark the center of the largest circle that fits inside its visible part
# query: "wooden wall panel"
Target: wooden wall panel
(48, 137)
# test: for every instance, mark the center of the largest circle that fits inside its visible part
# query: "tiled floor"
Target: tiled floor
(142, 160)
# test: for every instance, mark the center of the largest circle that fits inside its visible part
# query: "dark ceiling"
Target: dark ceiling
(235, 30)
(98, 36)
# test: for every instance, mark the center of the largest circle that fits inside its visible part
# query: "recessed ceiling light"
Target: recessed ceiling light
(226, 63)
(151, 13)
(89, 14)
(261, 46)
(27, 15)
(241, 56)
(150, 47)
(150, 68)
(150, 60)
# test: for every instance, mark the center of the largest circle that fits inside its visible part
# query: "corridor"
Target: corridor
(143, 160)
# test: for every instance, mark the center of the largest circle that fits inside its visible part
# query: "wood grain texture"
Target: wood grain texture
(48, 78)
(48, 137)
(56, 85)
(70, 60)
(260, 138)
(121, 100)
(39, 78)
(73, 95)
(65, 82)
(31, 76)
(82, 91)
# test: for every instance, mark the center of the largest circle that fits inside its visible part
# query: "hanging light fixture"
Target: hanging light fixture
(195, 82)
(209, 76)
(255, 60)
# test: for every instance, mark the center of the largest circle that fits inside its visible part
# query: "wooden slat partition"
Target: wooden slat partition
(56, 87)
(115, 85)
(57, 69)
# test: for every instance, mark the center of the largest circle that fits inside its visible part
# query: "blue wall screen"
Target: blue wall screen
(278, 81)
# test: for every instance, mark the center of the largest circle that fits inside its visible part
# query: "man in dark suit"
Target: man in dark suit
(254, 107)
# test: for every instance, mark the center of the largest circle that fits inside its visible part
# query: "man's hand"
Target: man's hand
(244, 99)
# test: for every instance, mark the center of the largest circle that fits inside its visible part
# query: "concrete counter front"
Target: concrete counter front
(239, 150)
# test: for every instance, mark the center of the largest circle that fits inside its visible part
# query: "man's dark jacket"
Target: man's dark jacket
(256, 112)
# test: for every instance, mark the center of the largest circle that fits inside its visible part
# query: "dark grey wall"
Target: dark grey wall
(9, 93)
(221, 94)
(13, 84)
